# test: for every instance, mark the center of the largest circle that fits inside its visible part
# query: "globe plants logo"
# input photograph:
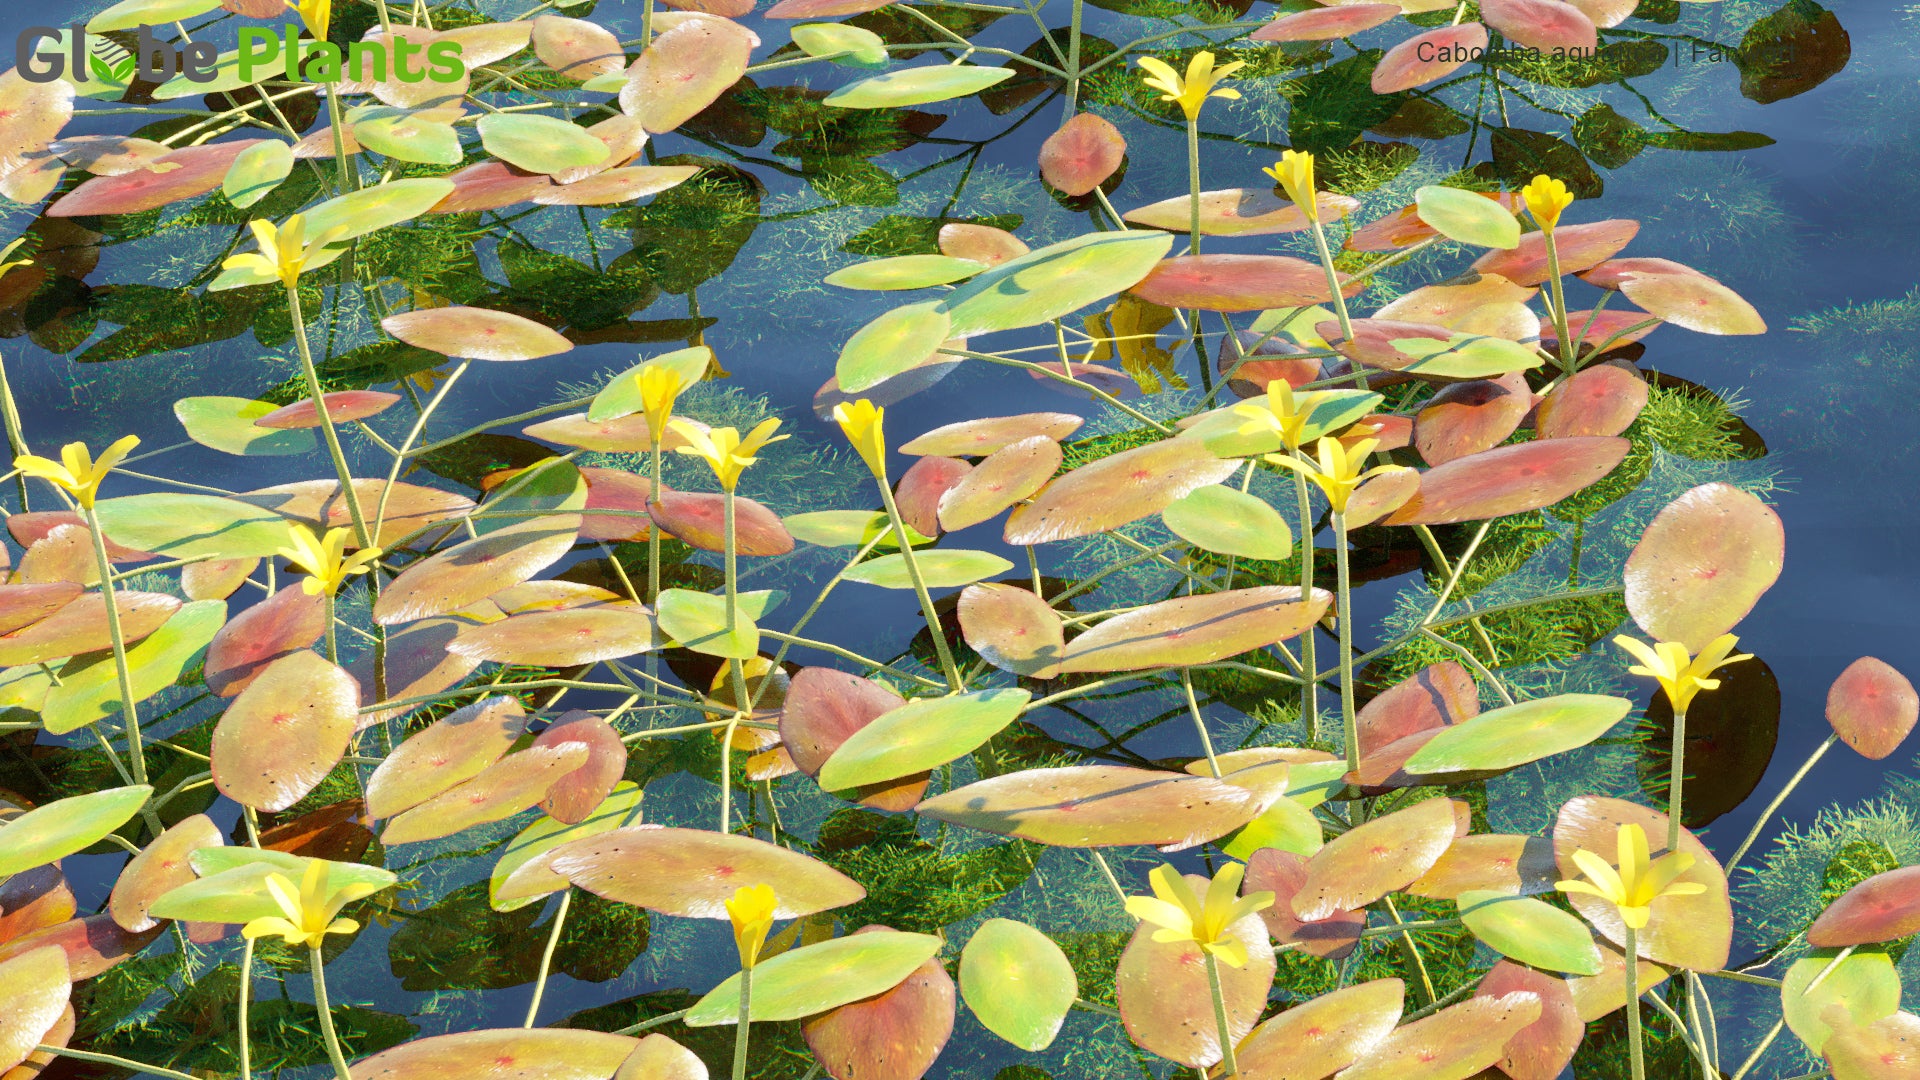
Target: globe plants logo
(79, 57)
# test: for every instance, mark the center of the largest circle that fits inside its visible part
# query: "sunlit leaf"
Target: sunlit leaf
(285, 732)
(90, 688)
(1017, 982)
(64, 827)
(1702, 564)
(802, 982)
(1531, 931)
(920, 735)
(228, 425)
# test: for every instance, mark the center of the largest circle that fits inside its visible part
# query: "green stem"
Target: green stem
(1073, 63)
(1333, 290)
(16, 436)
(109, 1059)
(1632, 969)
(246, 1000)
(1347, 710)
(1199, 722)
(1676, 777)
(740, 1033)
(1761, 822)
(347, 177)
(920, 588)
(130, 714)
(546, 958)
(739, 685)
(333, 650)
(1193, 243)
(1227, 1060)
(1559, 305)
(653, 529)
(327, 1034)
(1310, 694)
(733, 568)
(332, 437)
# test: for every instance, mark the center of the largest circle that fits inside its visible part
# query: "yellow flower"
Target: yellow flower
(1182, 916)
(317, 14)
(284, 251)
(1638, 883)
(1285, 414)
(309, 912)
(724, 449)
(864, 425)
(660, 388)
(751, 911)
(76, 471)
(1545, 198)
(1681, 677)
(1294, 172)
(1338, 472)
(1198, 85)
(6, 263)
(325, 559)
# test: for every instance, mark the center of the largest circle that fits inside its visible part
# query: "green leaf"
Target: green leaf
(1865, 983)
(1331, 410)
(226, 77)
(130, 14)
(89, 687)
(848, 528)
(1219, 519)
(622, 394)
(541, 144)
(405, 135)
(905, 272)
(1465, 356)
(698, 621)
(232, 887)
(802, 982)
(256, 171)
(1467, 217)
(66, 826)
(863, 48)
(938, 569)
(1017, 982)
(1309, 783)
(1531, 931)
(1518, 734)
(227, 425)
(896, 341)
(921, 735)
(1054, 281)
(1286, 825)
(185, 526)
(553, 486)
(618, 809)
(376, 208)
(917, 86)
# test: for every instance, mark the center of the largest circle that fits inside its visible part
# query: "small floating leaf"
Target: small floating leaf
(1531, 931)
(1219, 519)
(1017, 982)
(64, 827)
(919, 736)
(917, 86)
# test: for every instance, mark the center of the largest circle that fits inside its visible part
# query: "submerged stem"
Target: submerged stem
(1632, 968)
(1676, 777)
(327, 431)
(130, 714)
(546, 958)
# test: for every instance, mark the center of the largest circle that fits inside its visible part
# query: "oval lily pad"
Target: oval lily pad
(1600, 329)
(845, 44)
(823, 709)
(502, 1054)
(894, 342)
(685, 70)
(1547, 25)
(407, 508)
(81, 627)
(184, 526)
(36, 986)
(1702, 564)
(94, 944)
(418, 665)
(989, 435)
(1872, 707)
(1694, 301)
(917, 86)
(1228, 522)
(577, 49)
(1321, 1036)
(810, 980)
(1454, 1043)
(502, 790)
(692, 873)
(1887, 1049)
(1531, 931)
(920, 736)
(1600, 400)
(616, 435)
(1082, 154)
(286, 622)
(1580, 247)
(90, 690)
(1509, 737)
(256, 171)
(920, 490)
(285, 732)
(1012, 629)
(475, 332)
(1007, 476)
(228, 424)
(55, 830)
(1468, 418)
(381, 206)
(1017, 982)
(615, 185)
(1166, 1000)
(576, 795)
(904, 272)
(1490, 862)
(1236, 283)
(1116, 490)
(1542, 1049)
(1282, 873)
(1694, 932)
(559, 638)
(1428, 56)
(473, 570)
(698, 621)
(980, 243)
(1239, 212)
(660, 1058)
(453, 749)
(1371, 860)
(1053, 281)
(898, 1032)
(159, 868)
(1109, 805)
(1510, 480)
(1884, 907)
(939, 569)
(34, 900)
(195, 171)
(523, 875)
(342, 407)
(1327, 23)
(1190, 630)
(540, 144)
(489, 43)
(22, 605)
(1862, 985)
(1467, 216)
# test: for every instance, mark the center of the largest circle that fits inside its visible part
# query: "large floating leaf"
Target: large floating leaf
(1693, 932)
(1166, 998)
(228, 424)
(1219, 519)
(453, 749)
(1703, 563)
(66, 826)
(1491, 862)
(1007, 476)
(920, 735)
(1467, 216)
(894, 342)
(1510, 480)
(502, 790)
(1547, 25)
(1872, 707)
(1452, 1044)
(160, 867)
(523, 874)
(1603, 400)
(1327, 23)
(898, 1032)
(129, 14)
(35, 986)
(824, 708)
(1517, 734)
(559, 638)
(1531, 931)
(81, 627)
(342, 406)
(939, 569)
(622, 394)
(256, 171)
(1238, 212)
(1694, 301)
(698, 621)
(375, 208)
(1429, 56)
(1468, 418)
(1054, 281)
(185, 526)
(904, 272)
(1012, 629)
(1197, 629)
(476, 569)
(475, 332)
(842, 42)
(539, 144)
(692, 873)
(577, 49)
(285, 732)
(917, 86)
(1580, 247)
(1116, 490)
(1236, 283)
(1863, 985)
(1017, 982)
(1326, 1034)
(1542, 1049)
(1882, 1050)
(23, 604)
(90, 690)
(1884, 907)
(502, 1054)
(991, 434)
(1082, 154)
(805, 981)
(195, 171)
(1376, 858)
(1110, 805)
(685, 70)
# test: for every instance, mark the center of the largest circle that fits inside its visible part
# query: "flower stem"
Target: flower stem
(1199, 722)
(129, 712)
(733, 568)
(333, 650)
(246, 999)
(346, 178)
(1310, 694)
(740, 1033)
(1761, 822)
(546, 958)
(920, 588)
(653, 528)
(1633, 1008)
(327, 1034)
(1229, 1064)
(16, 436)
(1193, 242)
(332, 437)
(1559, 305)
(1676, 777)
(1350, 716)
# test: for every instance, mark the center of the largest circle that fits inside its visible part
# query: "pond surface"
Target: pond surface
(1816, 230)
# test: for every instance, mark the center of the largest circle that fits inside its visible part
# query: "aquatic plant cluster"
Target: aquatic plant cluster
(1305, 882)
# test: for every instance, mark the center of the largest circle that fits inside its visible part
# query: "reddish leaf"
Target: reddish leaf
(1282, 873)
(1426, 57)
(1872, 707)
(1510, 480)
(699, 518)
(824, 708)
(575, 796)
(1885, 907)
(1328, 23)
(285, 732)
(1237, 283)
(896, 1034)
(343, 406)
(1579, 247)
(1082, 154)
(200, 170)
(94, 944)
(1602, 400)
(1702, 564)
(1542, 1049)
(286, 622)
(1547, 25)
(614, 489)
(920, 489)
(1466, 418)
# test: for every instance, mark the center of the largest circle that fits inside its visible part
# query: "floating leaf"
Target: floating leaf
(1166, 1000)
(90, 690)
(559, 638)
(1694, 932)
(405, 135)
(539, 144)
(685, 70)
(577, 49)
(1863, 985)
(523, 876)
(451, 750)
(576, 795)
(81, 627)
(622, 394)
(1580, 247)
(1371, 860)
(979, 243)
(1551, 26)
(64, 827)
(990, 435)
(228, 425)
(1542, 1049)
(1494, 863)
(285, 732)
(1872, 707)
(1517, 734)
(1116, 490)
(1007, 476)
(502, 1054)
(1467, 418)
(1017, 982)
(36, 986)
(1702, 564)
(160, 867)
(1510, 480)
(1082, 154)
(1240, 211)
(193, 171)
(1237, 283)
(476, 333)
(1694, 301)
(475, 569)
(823, 709)
(1468, 216)
(342, 407)
(1110, 805)
(904, 272)
(919, 736)
(1219, 519)
(938, 569)
(1884, 907)
(1452, 1044)
(1054, 281)
(502, 789)
(692, 873)
(1012, 629)
(1285, 826)
(698, 621)
(842, 42)
(381, 206)
(256, 171)
(1198, 629)
(1428, 56)
(917, 86)
(418, 666)
(25, 604)
(805, 981)
(1327, 23)
(1602, 400)
(1321, 1036)
(129, 14)
(1531, 931)
(1887, 1049)
(892, 343)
